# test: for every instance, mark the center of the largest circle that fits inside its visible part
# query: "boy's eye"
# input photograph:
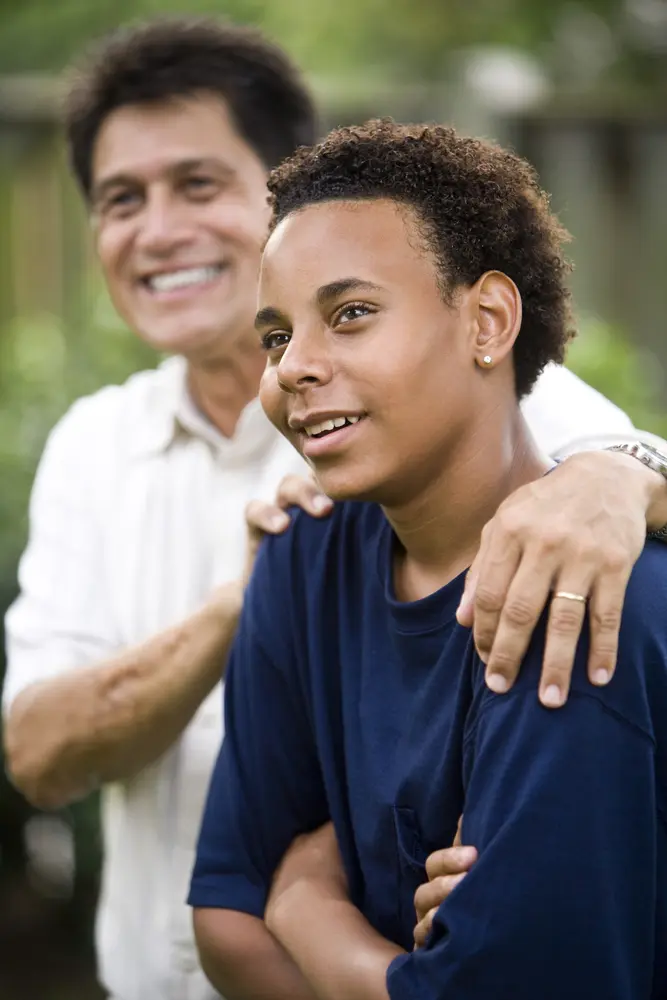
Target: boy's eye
(275, 339)
(356, 310)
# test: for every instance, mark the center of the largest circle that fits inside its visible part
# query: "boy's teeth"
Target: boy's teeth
(329, 425)
(182, 279)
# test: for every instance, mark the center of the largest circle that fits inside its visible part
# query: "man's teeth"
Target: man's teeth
(329, 425)
(182, 279)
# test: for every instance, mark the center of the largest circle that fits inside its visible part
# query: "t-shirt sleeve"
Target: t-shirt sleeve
(61, 618)
(561, 901)
(266, 786)
(566, 415)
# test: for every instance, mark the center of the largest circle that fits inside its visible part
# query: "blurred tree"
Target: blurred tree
(413, 37)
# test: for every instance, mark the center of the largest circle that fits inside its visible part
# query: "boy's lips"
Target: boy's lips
(331, 438)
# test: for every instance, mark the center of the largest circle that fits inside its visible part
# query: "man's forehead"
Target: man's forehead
(157, 138)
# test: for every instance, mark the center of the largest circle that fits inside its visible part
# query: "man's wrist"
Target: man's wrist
(226, 602)
(652, 471)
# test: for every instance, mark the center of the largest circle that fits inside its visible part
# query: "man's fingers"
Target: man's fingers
(605, 608)
(464, 612)
(567, 611)
(450, 861)
(566, 618)
(525, 600)
(264, 518)
(496, 570)
(301, 491)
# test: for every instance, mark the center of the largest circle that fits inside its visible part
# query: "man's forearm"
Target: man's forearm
(244, 961)
(65, 736)
(334, 946)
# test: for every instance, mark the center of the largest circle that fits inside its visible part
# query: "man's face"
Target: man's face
(355, 326)
(180, 206)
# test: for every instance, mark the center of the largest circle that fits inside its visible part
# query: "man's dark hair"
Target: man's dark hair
(479, 207)
(174, 57)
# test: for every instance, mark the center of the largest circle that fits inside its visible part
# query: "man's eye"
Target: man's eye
(355, 310)
(120, 203)
(275, 340)
(200, 186)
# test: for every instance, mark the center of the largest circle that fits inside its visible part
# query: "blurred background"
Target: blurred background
(578, 86)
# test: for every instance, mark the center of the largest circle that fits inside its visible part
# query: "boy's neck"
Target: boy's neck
(439, 531)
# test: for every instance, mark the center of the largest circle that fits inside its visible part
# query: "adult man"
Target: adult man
(396, 359)
(129, 584)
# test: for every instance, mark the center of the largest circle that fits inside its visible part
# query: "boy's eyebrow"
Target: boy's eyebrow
(268, 316)
(325, 294)
(334, 289)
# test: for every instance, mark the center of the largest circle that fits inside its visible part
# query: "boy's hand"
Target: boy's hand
(445, 869)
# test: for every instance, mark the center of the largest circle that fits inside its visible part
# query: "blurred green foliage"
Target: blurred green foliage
(623, 371)
(411, 37)
(39, 377)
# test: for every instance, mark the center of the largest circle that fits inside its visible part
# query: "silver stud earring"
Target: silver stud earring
(487, 359)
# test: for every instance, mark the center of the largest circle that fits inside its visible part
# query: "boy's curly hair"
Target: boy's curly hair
(480, 208)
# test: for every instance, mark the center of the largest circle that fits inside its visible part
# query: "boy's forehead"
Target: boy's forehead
(371, 240)
(318, 233)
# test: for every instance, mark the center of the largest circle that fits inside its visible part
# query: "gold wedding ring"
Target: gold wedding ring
(570, 597)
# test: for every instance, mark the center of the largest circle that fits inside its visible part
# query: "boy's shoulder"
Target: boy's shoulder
(638, 690)
(313, 543)
(637, 693)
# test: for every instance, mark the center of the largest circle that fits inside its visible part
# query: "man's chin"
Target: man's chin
(197, 343)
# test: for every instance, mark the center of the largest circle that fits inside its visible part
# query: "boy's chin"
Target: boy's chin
(340, 488)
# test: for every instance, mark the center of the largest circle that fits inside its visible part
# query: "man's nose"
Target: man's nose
(163, 226)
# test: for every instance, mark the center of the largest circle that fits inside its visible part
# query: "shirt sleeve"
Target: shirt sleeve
(566, 415)
(561, 901)
(266, 786)
(61, 618)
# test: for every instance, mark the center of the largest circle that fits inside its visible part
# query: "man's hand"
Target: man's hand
(579, 530)
(272, 518)
(445, 869)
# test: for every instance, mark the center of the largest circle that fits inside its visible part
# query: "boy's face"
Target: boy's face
(355, 325)
(180, 211)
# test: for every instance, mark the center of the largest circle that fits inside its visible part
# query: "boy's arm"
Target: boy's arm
(561, 806)
(561, 901)
(334, 946)
(266, 788)
(310, 913)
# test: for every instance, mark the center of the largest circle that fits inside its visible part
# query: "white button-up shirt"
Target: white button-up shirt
(137, 513)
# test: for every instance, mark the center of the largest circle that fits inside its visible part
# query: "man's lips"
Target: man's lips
(181, 279)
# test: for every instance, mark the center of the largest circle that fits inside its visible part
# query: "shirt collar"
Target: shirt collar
(171, 412)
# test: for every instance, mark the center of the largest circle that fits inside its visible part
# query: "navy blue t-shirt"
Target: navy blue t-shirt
(344, 704)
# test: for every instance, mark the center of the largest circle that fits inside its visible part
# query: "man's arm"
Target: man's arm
(77, 711)
(71, 733)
